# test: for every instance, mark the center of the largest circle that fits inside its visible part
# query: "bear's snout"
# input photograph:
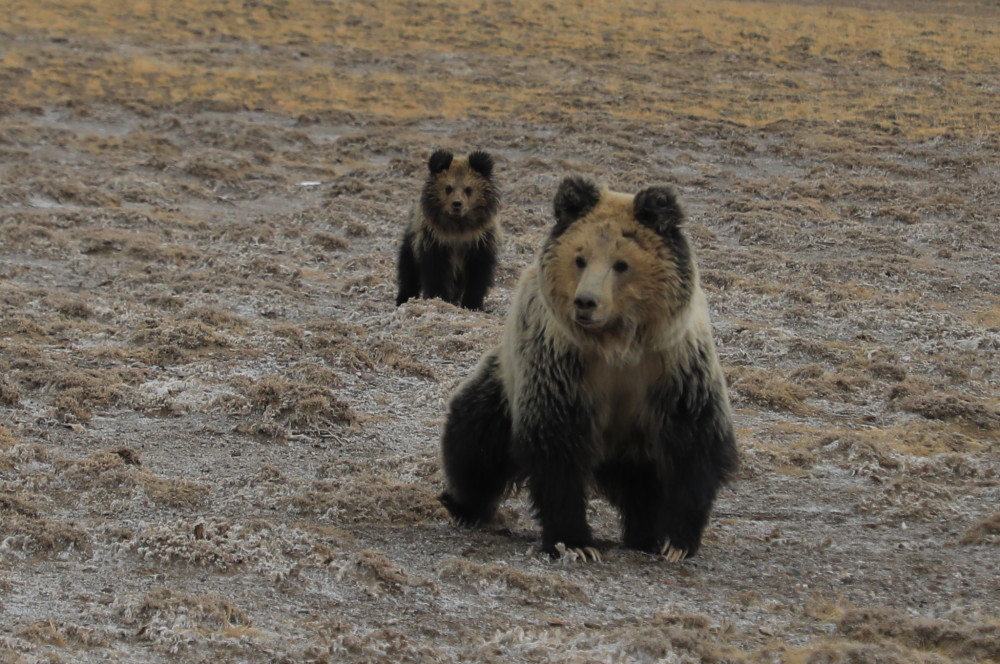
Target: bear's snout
(585, 301)
(587, 309)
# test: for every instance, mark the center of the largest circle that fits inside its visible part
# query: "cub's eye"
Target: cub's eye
(581, 262)
(620, 266)
(468, 191)
(449, 189)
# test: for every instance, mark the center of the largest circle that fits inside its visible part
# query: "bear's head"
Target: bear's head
(616, 267)
(459, 196)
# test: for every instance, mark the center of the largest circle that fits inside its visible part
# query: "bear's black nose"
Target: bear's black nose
(585, 301)
(457, 205)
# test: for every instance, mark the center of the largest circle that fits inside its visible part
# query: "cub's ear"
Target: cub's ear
(482, 163)
(657, 208)
(439, 161)
(575, 197)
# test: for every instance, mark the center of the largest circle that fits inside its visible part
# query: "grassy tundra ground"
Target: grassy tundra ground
(218, 435)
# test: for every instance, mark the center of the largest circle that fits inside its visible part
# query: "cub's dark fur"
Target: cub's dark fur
(451, 244)
(606, 378)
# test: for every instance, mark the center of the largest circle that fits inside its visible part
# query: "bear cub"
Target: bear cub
(606, 379)
(450, 246)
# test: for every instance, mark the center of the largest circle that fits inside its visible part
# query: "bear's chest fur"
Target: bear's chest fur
(619, 397)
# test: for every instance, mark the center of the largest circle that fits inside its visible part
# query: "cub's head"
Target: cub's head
(616, 266)
(459, 196)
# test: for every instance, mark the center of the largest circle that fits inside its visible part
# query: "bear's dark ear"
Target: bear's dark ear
(481, 162)
(574, 199)
(658, 209)
(439, 161)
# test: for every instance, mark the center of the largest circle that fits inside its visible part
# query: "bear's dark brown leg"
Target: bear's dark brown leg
(480, 264)
(560, 500)
(475, 447)
(407, 272)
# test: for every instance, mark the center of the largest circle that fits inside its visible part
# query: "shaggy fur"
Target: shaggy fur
(450, 246)
(606, 378)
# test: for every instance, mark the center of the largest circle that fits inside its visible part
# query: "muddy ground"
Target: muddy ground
(218, 436)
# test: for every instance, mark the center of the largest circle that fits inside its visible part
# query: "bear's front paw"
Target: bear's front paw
(673, 554)
(582, 553)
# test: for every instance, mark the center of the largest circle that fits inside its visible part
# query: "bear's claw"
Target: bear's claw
(672, 554)
(584, 554)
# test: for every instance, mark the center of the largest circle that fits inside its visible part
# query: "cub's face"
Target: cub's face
(458, 191)
(459, 194)
(615, 264)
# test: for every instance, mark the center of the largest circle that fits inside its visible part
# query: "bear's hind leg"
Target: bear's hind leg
(407, 272)
(475, 447)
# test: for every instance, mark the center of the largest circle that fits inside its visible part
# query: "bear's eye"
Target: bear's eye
(468, 191)
(581, 262)
(620, 266)
(449, 189)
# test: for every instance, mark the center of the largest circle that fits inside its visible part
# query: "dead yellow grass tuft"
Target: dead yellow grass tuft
(24, 529)
(371, 499)
(118, 471)
(987, 531)
(482, 576)
(980, 414)
(76, 391)
(280, 407)
(923, 438)
(176, 342)
(843, 651)
(216, 318)
(765, 388)
(168, 614)
(64, 635)
(381, 575)
(9, 394)
(7, 442)
(392, 354)
(979, 642)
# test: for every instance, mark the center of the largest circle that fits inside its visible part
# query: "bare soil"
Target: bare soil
(218, 436)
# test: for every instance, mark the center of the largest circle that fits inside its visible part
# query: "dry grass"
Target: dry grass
(279, 408)
(802, 48)
(370, 499)
(485, 577)
(381, 575)
(118, 471)
(173, 621)
(977, 641)
(64, 635)
(986, 531)
(39, 537)
(763, 388)
(953, 407)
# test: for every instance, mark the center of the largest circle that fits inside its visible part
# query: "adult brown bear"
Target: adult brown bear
(606, 378)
